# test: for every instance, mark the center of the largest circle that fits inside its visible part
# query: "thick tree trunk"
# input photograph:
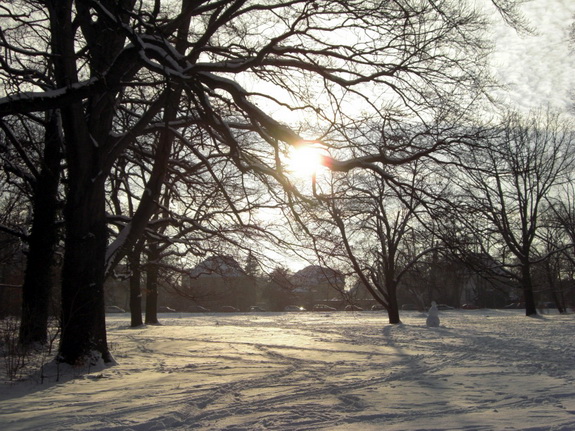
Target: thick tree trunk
(393, 307)
(86, 127)
(135, 287)
(37, 287)
(83, 319)
(393, 315)
(90, 152)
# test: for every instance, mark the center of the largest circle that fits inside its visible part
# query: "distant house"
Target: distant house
(314, 284)
(220, 281)
(489, 292)
(359, 292)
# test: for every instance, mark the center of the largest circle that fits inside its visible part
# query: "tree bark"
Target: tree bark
(152, 275)
(392, 306)
(83, 325)
(148, 203)
(37, 287)
(83, 315)
(86, 128)
(135, 287)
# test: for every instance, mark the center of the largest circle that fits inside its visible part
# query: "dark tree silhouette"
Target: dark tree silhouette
(152, 64)
(503, 187)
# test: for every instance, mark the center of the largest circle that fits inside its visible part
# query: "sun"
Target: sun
(305, 160)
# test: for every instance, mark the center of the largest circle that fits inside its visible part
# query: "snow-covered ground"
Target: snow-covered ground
(480, 370)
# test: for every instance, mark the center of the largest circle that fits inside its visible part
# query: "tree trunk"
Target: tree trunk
(152, 274)
(83, 330)
(148, 204)
(135, 287)
(557, 301)
(393, 307)
(37, 287)
(83, 318)
(529, 298)
(553, 288)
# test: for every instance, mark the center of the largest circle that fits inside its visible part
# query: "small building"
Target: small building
(316, 284)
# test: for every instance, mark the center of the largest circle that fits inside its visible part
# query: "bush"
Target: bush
(15, 356)
(18, 360)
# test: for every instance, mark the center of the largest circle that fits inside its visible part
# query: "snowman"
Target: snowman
(433, 316)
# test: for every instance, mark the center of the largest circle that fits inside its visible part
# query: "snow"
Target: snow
(480, 370)
(115, 246)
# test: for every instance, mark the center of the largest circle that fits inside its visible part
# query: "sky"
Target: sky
(538, 69)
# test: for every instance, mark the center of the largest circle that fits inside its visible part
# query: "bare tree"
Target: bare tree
(207, 206)
(375, 220)
(321, 59)
(506, 184)
(553, 270)
(43, 239)
(31, 156)
(559, 238)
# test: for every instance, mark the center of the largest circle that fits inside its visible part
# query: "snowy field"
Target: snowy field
(480, 370)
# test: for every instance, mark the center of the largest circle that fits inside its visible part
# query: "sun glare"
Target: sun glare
(305, 160)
